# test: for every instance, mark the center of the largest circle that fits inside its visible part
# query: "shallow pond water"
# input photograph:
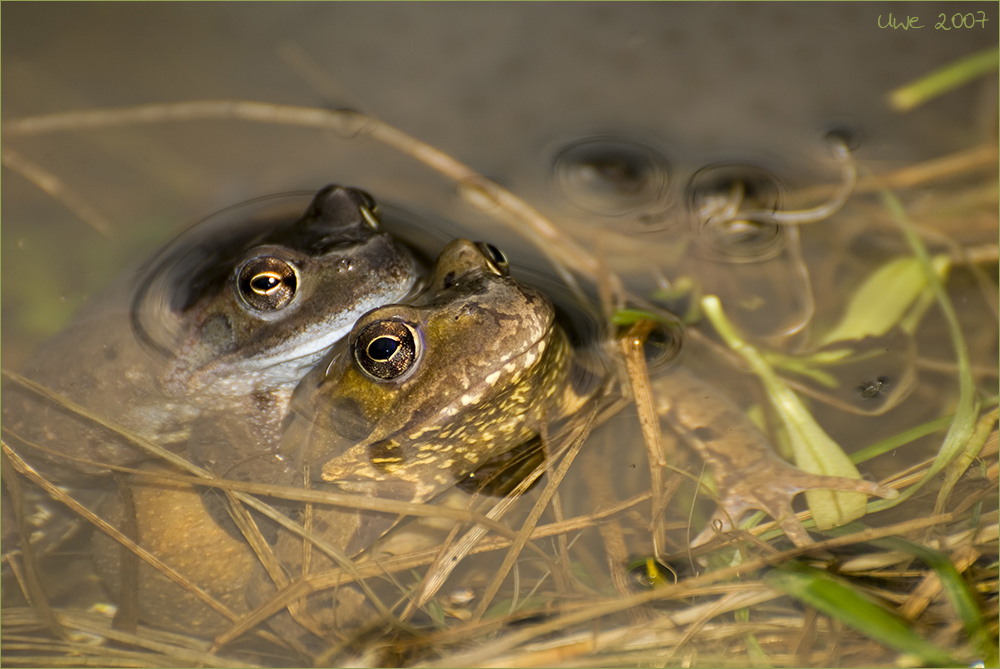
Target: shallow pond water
(614, 121)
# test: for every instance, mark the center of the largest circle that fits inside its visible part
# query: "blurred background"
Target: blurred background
(502, 87)
(522, 93)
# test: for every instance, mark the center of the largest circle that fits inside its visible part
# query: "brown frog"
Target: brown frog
(418, 397)
(228, 320)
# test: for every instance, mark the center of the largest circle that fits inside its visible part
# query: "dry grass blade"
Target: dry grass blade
(486, 195)
(54, 186)
(598, 609)
(633, 347)
(165, 649)
(576, 439)
(958, 164)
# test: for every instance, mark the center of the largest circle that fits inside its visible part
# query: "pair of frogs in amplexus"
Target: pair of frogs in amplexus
(238, 361)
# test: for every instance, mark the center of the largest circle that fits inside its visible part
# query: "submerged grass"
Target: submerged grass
(963, 425)
(932, 598)
(840, 600)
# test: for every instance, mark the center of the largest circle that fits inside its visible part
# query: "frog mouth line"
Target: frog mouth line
(227, 377)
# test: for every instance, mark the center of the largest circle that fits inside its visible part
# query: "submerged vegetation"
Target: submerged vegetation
(568, 566)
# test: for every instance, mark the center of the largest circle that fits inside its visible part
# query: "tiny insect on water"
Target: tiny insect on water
(872, 389)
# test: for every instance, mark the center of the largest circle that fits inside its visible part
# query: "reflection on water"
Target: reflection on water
(612, 177)
(724, 128)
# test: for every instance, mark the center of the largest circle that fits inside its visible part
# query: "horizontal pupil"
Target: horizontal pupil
(264, 283)
(382, 348)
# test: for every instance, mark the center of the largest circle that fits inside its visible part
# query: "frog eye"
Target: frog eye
(369, 208)
(266, 283)
(494, 257)
(387, 350)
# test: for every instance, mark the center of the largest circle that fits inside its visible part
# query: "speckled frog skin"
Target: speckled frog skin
(428, 392)
(420, 397)
(417, 397)
(249, 314)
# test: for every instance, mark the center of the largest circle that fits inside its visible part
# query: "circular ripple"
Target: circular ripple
(177, 277)
(731, 207)
(611, 177)
(663, 341)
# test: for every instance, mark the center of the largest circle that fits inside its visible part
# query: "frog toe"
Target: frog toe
(774, 502)
(775, 499)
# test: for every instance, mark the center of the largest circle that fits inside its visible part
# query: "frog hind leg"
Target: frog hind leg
(769, 486)
(748, 473)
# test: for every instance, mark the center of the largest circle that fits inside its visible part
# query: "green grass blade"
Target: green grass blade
(942, 80)
(837, 599)
(966, 413)
(901, 439)
(814, 450)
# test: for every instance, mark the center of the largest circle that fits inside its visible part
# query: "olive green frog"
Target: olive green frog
(417, 397)
(420, 395)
